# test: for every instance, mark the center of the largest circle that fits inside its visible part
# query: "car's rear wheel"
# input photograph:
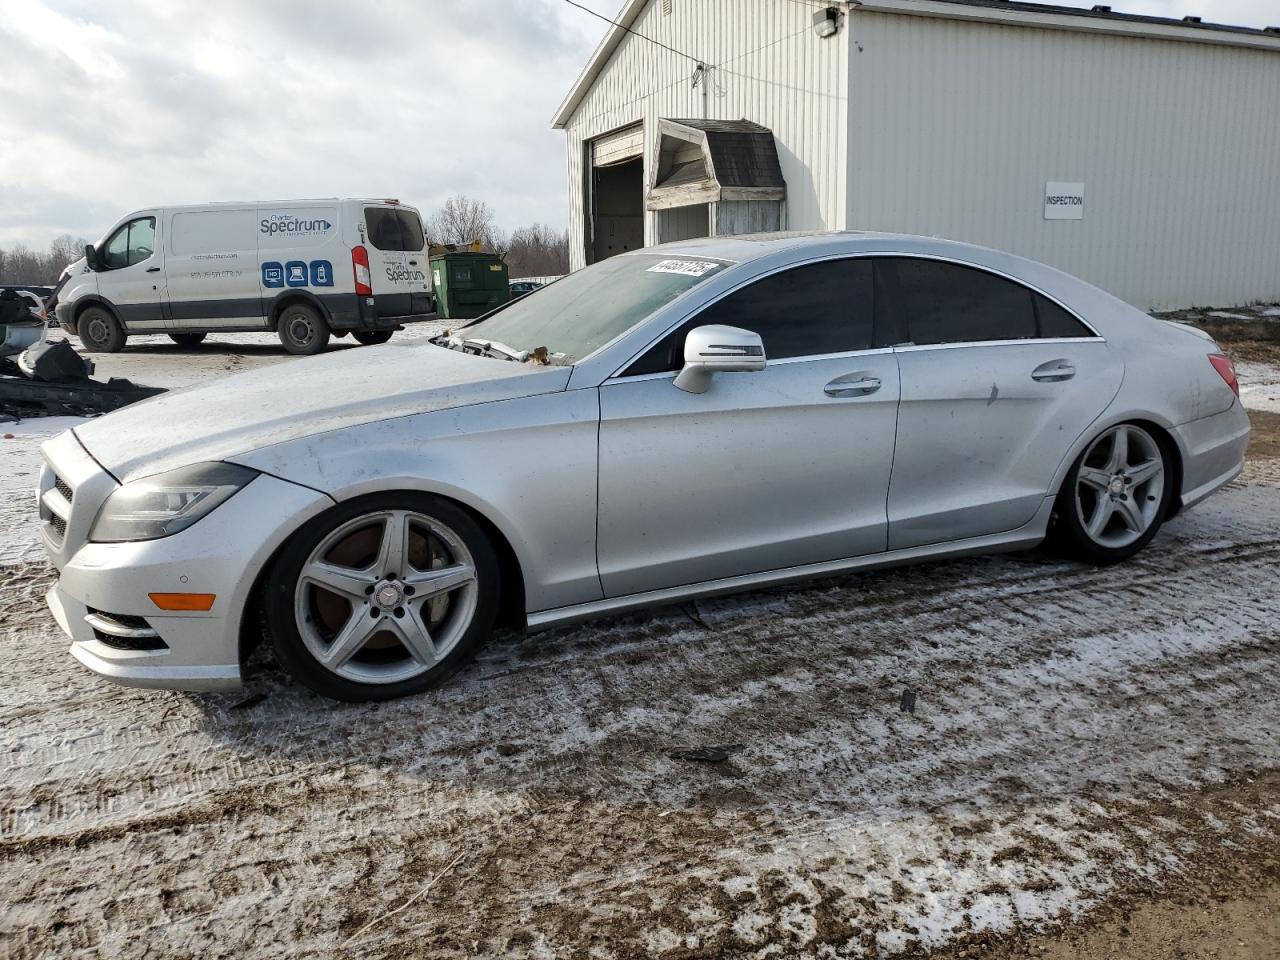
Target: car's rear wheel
(99, 331)
(187, 339)
(1116, 495)
(372, 338)
(302, 330)
(382, 597)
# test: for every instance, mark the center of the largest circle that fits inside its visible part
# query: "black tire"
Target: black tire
(188, 339)
(282, 580)
(1068, 532)
(302, 330)
(371, 338)
(99, 331)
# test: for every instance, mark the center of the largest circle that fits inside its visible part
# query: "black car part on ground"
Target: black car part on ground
(21, 397)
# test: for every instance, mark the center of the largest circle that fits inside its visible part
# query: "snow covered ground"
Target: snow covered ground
(1080, 736)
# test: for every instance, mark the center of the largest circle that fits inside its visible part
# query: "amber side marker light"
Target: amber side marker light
(183, 601)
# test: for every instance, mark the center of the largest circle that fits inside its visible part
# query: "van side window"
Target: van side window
(815, 309)
(132, 243)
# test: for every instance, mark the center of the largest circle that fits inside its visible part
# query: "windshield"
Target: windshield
(580, 313)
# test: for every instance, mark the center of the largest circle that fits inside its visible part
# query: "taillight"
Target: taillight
(360, 264)
(1227, 370)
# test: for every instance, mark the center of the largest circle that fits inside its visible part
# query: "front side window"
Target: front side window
(816, 309)
(132, 243)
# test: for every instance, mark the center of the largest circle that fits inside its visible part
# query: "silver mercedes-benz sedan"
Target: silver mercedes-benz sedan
(686, 420)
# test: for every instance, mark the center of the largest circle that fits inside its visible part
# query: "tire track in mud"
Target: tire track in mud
(1049, 697)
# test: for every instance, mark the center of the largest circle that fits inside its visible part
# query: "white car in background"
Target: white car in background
(674, 422)
(304, 269)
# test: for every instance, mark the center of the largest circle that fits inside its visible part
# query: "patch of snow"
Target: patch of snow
(1259, 386)
(1228, 315)
(19, 468)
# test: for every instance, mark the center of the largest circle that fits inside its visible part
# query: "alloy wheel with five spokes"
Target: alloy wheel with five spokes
(381, 601)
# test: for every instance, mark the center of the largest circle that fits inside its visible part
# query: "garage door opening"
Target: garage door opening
(617, 193)
(618, 221)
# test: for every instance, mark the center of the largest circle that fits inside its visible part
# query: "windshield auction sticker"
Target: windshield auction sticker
(690, 268)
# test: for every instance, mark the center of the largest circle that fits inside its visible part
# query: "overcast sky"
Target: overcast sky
(107, 107)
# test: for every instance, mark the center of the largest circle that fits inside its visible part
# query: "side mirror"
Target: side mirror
(718, 349)
(91, 256)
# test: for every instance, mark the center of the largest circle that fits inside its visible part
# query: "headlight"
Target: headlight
(159, 506)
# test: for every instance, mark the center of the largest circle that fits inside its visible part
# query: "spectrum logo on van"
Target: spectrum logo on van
(283, 223)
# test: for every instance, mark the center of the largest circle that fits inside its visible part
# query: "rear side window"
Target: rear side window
(391, 228)
(938, 302)
(820, 308)
(1053, 321)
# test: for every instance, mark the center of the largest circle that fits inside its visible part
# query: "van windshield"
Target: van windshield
(578, 314)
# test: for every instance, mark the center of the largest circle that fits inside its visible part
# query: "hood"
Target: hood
(301, 398)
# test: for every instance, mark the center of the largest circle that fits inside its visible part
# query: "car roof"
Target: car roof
(752, 246)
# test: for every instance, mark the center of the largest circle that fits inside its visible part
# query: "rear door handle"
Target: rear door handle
(1055, 371)
(153, 269)
(852, 385)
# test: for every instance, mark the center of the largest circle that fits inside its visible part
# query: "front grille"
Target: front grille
(62, 487)
(59, 525)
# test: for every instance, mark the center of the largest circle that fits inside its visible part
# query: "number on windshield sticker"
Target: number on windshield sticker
(690, 268)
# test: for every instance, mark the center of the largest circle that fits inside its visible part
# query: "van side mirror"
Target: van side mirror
(718, 349)
(91, 256)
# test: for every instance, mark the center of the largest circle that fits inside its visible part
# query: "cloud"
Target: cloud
(140, 103)
(107, 108)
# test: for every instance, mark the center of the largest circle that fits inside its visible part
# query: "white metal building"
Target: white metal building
(1142, 154)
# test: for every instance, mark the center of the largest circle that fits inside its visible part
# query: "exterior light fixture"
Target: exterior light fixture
(826, 22)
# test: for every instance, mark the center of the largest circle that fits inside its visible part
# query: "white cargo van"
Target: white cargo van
(302, 268)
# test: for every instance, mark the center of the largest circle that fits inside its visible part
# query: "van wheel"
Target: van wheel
(99, 331)
(187, 339)
(372, 338)
(302, 330)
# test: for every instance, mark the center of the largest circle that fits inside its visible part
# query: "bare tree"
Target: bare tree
(64, 250)
(23, 265)
(538, 251)
(463, 220)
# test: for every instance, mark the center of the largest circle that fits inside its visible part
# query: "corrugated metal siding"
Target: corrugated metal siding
(956, 127)
(770, 68)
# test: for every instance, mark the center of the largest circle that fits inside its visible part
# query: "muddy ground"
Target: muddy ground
(1091, 768)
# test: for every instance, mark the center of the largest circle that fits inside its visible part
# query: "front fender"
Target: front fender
(528, 466)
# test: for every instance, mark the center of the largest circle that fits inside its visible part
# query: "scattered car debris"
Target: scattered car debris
(708, 754)
(908, 702)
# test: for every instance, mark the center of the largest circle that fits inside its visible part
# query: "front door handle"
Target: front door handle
(153, 269)
(1055, 371)
(852, 385)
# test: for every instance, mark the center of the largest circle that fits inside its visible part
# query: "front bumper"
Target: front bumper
(221, 554)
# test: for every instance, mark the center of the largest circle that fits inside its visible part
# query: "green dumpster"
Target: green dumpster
(468, 284)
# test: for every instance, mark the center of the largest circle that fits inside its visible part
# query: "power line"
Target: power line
(601, 16)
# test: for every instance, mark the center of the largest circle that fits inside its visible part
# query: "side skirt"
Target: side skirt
(1023, 538)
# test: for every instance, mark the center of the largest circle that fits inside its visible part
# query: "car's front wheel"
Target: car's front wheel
(382, 597)
(1116, 495)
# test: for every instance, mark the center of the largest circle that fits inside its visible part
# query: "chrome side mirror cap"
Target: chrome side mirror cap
(718, 349)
